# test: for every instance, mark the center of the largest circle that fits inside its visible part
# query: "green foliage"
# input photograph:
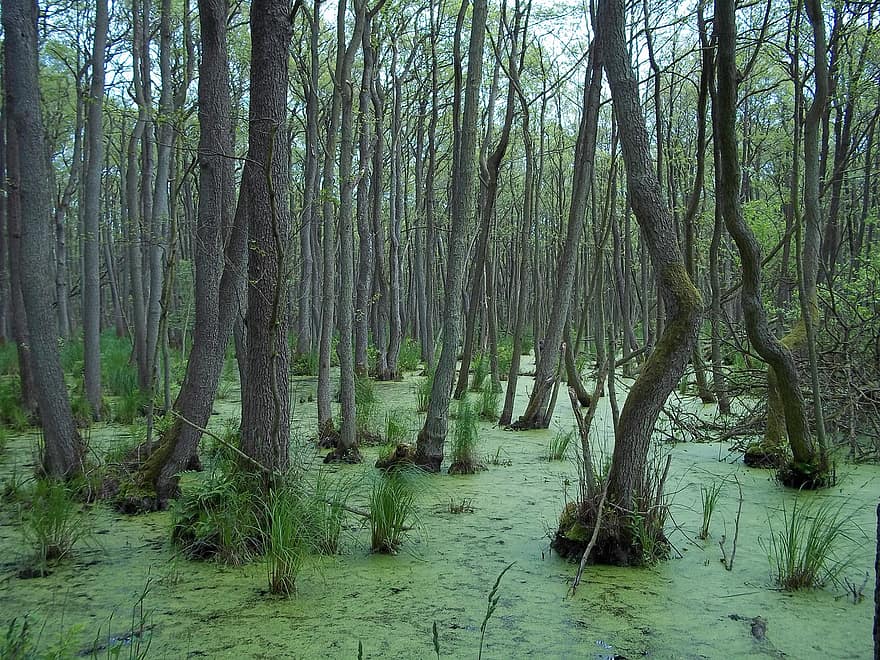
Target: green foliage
(8, 359)
(128, 407)
(217, 517)
(230, 439)
(118, 371)
(804, 552)
(72, 355)
(80, 407)
(304, 364)
(505, 355)
(422, 389)
(466, 435)
(51, 522)
(12, 415)
(559, 444)
(397, 428)
(709, 495)
(392, 507)
(480, 370)
(527, 343)
(410, 355)
(489, 398)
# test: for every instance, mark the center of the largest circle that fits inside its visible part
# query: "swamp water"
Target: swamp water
(687, 607)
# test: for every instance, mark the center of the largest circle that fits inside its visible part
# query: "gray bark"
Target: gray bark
(63, 448)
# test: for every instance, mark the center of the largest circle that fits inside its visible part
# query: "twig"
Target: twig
(592, 543)
(728, 561)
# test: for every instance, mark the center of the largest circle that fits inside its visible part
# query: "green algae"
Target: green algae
(687, 607)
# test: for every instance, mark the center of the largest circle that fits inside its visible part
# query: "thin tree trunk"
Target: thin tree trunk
(91, 280)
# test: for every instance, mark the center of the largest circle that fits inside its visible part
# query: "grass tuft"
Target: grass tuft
(392, 508)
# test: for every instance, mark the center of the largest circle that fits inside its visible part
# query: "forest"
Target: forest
(460, 328)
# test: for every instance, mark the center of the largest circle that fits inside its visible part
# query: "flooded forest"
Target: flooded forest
(454, 329)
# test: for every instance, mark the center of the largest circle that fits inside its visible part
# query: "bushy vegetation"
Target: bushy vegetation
(489, 399)
(410, 355)
(464, 440)
(392, 509)
(51, 522)
(422, 390)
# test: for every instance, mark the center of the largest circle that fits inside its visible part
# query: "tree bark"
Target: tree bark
(429, 447)
(63, 449)
(265, 429)
(663, 369)
(91, 279)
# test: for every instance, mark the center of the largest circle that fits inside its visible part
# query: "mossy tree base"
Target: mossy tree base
(765, 456)
(623, 540)
(328, 436)
(403, 456)
(807, 476)
(339, 455)
(465, 467)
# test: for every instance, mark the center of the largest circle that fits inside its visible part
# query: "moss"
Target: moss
(807, 475)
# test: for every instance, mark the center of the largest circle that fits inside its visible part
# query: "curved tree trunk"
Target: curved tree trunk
(663, 369)
(809, 469)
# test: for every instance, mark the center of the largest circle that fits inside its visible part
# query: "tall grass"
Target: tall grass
(392, 508)
(284, 542)
(804, 552)
(481, 370)
(422, 390)
(8, 359)
(464, 440)
(12, 415)
(559, 444)
(366, 404)
(709, 494)
(51, 522)
(489, 398)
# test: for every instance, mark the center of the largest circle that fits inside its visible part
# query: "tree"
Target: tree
(429, 448)
(265, 424)
(91, 284)
(629, 485)
(64, 449)
(809, 467)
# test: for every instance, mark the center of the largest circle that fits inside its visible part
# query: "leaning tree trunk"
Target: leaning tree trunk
(218, 272)
(538, 411)
(810, 468)
(628, 480)
(429, 448)
(265, 427)
(63, 449)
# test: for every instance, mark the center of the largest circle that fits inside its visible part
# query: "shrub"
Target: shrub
(304, 364)
(392, 507)
(12, 415)
(804, 552)
(505, 356)
(217, 517)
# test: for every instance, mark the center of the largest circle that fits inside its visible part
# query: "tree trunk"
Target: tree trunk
(809, 468)
(429, 449)
(91, 279)
(63, 449)
(536, 413)
(663, 369)
(265, 429)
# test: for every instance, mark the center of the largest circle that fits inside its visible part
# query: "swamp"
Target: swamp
(381, 329)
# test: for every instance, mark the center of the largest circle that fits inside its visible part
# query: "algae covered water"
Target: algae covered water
(469, 528)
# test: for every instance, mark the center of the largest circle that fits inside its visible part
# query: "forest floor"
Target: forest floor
(686, 607)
